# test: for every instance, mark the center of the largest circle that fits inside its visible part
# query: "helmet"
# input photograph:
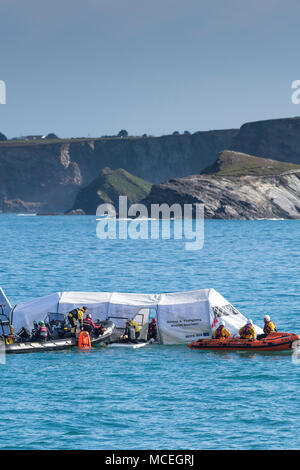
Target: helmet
(89, 315)
(249, 322)
(267, 318)
(41, 322)
(221, 323)
(84, 308)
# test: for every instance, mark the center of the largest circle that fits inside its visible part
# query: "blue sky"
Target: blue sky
(93, 67)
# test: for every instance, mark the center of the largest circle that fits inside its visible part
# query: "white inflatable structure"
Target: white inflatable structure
(181, 317)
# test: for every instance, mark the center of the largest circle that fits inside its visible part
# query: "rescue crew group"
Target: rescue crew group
(247, 331)
(132, 331)
(76, 315)
(86, 323)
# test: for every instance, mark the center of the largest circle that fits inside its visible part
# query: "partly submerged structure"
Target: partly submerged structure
(182, 317)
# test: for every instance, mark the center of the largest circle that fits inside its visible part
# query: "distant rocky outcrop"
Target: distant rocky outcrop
(237, 186)
(107, 188)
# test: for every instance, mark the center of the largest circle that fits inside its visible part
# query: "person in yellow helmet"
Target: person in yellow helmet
(221, 331)
(76, 315)
(269, 325)
(248, 331)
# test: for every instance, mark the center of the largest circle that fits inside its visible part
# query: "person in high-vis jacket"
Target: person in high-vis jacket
(40, 332)
(74, 316)
(248, 331)
(136, 328)
(221, 331)
(269, 325)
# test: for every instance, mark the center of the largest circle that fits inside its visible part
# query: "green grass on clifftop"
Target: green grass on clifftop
(119, 182)
(232, 163)
(107, 188)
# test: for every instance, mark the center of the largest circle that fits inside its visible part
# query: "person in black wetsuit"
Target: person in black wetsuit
(129, 334)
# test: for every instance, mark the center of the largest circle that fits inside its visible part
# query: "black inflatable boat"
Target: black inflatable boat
(59, 344)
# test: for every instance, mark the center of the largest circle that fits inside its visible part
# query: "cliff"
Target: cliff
(278, 139)
(238, 186)
(46, 175)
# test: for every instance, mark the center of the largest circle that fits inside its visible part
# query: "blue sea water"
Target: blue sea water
(158, 397)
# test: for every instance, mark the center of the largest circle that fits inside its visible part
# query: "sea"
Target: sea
(157, 397)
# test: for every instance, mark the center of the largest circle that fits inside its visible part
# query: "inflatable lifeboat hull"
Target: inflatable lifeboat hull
(59, 344)
(273, 342)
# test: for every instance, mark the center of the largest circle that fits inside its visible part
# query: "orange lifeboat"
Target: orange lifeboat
(273, 342)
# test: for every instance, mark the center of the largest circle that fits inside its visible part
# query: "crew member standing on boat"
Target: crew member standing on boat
(248, 331)
(74, 316)
(269, 325)
(221, 331)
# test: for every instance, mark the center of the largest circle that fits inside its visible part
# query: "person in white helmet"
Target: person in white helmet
(248, 331)
(269, 325)
(221, 331)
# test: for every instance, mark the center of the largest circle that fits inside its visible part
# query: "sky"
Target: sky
(92, 67)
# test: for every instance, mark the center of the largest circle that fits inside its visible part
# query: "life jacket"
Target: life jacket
(88, 324)
(221, 332)
(135, 325)
(84, 340)
(153, 327)
(269, 327)
(8, 339)
(77, 313)
(247, 332)
(43, 332)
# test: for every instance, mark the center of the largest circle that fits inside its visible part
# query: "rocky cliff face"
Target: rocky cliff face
(37, 177)
(47, 175)
(274, 193)
(278, 139)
